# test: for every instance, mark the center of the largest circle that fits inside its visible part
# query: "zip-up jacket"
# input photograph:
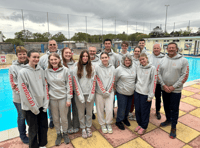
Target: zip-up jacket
(173, 72)
(105, 79)
(44, 59)
(33, 89)
(120, 55)
(13, 75)
(60, 83)
(135, 61)
(113, 58)
(125, 79)
(155, 60)
(84, 85)
(146, 80)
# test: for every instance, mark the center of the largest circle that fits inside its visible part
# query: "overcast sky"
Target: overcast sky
(147, 14)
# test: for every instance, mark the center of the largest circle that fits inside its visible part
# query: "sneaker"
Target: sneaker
(58, 140)
(75, 130)
(42, 147)
(126, 122)
(84, 133)
(24, 139)
(158, 115)
(109, 127)
(66, 138)
(89, 132)
(130, 114)
(172, 133)
(166, 123)
(104, 129)
(51, 125)
(132, 118)
(137, 128)
(120, 125)
(70, 131)
(141, 131)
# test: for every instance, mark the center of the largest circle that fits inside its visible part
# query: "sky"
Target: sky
(117, 16)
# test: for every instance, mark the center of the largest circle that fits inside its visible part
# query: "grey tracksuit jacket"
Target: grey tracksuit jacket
(84, 85)
(146, 80)
(44, 59)
(96, 61)
(125, 79)
(105, 79)
(33, 89)
(13, 75)
(60, 83)
(173, 72)
(135, 61)
(146, 52)
(113, 58)
(120, 55)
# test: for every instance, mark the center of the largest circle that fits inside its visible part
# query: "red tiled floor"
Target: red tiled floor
(153, 104)
(160, 139)
(182, 96)
(118, 136)
(190, 121)
(196, 96)
(192, 89)
(64, 146)
(195, 143)
(186, 107)
(154, 120)
(13, 143)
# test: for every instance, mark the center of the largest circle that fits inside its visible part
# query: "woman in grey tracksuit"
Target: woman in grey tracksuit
(73, 121)
(125, 76)
(144, 92)
(60, 93)
(84, 77)
(105, 92)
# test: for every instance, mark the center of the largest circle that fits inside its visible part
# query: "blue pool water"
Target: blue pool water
(8, 113)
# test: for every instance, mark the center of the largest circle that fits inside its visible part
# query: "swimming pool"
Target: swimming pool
(8, 113)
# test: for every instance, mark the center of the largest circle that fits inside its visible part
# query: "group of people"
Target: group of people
(69, 89)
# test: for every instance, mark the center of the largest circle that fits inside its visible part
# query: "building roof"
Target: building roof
(175, 38)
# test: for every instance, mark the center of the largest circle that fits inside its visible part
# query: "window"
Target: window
(190, 40)
(156, 40)
(164, 40)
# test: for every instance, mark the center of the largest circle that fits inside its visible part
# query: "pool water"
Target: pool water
(8, 113)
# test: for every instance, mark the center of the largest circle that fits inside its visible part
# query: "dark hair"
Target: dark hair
(20, 49)
(173, 43)
(88, 66)
(107, 40)
(141, 40)
(31, 51)
(64, 60)
(124, 42)
(138, 47)
(104, 53)
(57, 56)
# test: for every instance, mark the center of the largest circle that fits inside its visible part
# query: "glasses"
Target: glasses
(52, 44)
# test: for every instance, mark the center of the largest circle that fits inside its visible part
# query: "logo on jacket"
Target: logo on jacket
(40, 77)
(174, 64)
(59, 76)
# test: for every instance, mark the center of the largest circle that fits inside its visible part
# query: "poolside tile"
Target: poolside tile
(192, 89)
(119, 137)
(13, 143)
(186, 146)
(63, 145)
(4, 135)
(136, 143)
(160, 139)
(187, 93)
(186, 107)
(196, 96)
(191, 101)
(182, 96)
(97, 141)
(154, 120)
(195, 143)
(191, 121)
(195, 86)
(183, 132)
(12, 133)
(196, 112)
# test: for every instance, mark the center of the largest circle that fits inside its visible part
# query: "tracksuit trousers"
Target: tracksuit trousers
(142, 109)
(106, 103)
(38, 127)
(59, 111)
(158, 97)
(124, 105)
(85, 120)
(171, 102)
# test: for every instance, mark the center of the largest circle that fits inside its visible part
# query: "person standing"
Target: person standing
(155, 59)
(14, 69)
(60, 93)
(34, 100)
(173, 72)
(125, 76)
(123, 51)
(142, 46)
(73, 121)
(84, 78)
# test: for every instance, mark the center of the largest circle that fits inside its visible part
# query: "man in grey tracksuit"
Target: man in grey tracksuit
(173, 72)
(142, 46)
(155, 59)
(53, 47)
(124, 51)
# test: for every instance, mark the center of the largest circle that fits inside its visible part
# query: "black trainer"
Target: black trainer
(24, 139)
(164, 124)
(58, 140)
(158, 115)
(66, 138)
(51, 125)
(126, 122)
(120, 125)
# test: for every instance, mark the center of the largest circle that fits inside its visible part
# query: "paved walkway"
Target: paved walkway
(188, 130)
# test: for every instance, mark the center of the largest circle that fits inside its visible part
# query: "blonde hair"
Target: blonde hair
(144, 55)
(20, 49)
(57, 56)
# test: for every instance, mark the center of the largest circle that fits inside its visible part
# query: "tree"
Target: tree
(59, 37)
(16, 42)
(23, 35)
